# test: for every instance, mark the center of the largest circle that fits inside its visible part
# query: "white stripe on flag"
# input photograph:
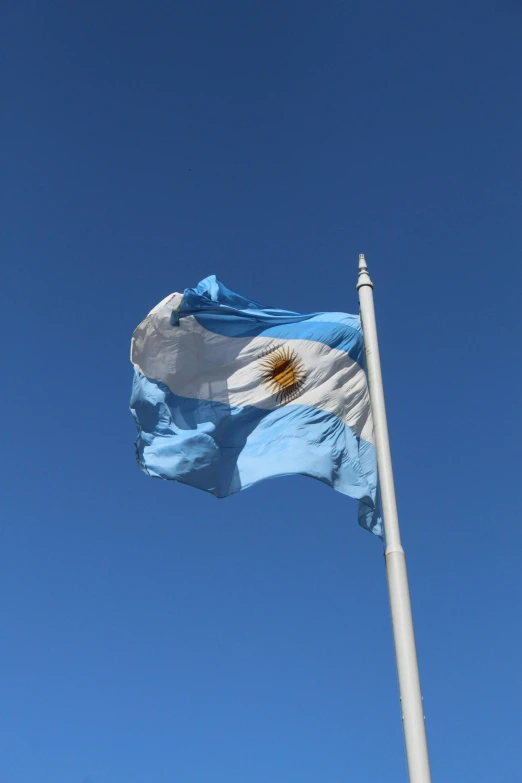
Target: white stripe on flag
(199, 364)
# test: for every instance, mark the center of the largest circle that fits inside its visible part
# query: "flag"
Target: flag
(228, 392)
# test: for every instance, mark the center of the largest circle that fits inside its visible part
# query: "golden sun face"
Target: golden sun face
(283, 373)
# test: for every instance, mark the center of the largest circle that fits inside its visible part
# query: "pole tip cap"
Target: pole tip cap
(364, 277)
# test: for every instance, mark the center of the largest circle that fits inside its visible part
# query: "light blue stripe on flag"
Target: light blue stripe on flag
(222, 311)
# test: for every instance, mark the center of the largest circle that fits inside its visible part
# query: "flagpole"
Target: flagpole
(402, 620)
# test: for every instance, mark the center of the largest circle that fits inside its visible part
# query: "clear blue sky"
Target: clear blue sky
(151, 633)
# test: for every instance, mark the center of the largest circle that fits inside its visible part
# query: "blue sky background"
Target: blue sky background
(151, 633)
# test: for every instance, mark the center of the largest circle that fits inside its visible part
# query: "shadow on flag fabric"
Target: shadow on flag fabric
(228, 392)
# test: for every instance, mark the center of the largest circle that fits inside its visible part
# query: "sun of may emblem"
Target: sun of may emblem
(283, 372)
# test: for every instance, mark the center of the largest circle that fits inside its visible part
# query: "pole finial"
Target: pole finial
(364, 277)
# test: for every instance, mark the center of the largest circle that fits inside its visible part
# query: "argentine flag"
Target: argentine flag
(228, 392)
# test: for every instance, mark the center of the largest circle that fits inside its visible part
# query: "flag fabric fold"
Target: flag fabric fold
(228, 392)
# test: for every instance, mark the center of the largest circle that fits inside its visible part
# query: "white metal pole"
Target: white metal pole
(402, 621)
